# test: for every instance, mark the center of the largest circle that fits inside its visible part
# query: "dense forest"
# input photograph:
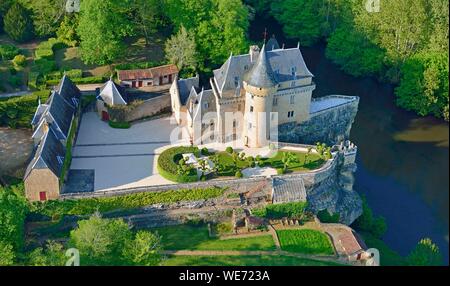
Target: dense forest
(405, 42)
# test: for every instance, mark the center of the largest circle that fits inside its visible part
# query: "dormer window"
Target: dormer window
(294, 71)
(246, 67)
(75, 101)
(236, 81)
(60, 159)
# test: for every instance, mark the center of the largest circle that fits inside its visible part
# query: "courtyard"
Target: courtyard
(118, 158)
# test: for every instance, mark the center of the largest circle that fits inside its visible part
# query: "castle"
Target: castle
(253, 96)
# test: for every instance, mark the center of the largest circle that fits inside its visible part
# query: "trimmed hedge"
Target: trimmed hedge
(91, 205)
(119, 125)
(19, 111)
(168, 164)
(83, 80)
(8, 52)
(278, 211)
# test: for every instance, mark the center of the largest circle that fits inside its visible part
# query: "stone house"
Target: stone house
(147, 77)
(52, 125)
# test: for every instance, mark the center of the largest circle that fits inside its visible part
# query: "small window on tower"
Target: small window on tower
(251, 108)
(275, 101)
(292, 99)
(236, 81)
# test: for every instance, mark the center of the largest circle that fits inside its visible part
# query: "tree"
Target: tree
(18, 24)
(147, 16)
(13, 209)
(52, 255)
(288, 158)
(144, 249)
(424, 84)
(100, 240)
(67, 31)
(7, 254)
(181, 50)
(426, 253)
(300, 19)
(369, 223)
(47, 14)
(102, 27)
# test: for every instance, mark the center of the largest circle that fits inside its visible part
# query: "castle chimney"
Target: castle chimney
(254, 53)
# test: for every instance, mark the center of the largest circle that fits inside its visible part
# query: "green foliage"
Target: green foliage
(7, 255)
(100, 240)
(287, 210)
(300, 19)
(305, 241)
(106, 204)
(47, 14)
(325, 217)
(67, 31)
(18, 24)
(52, 255)
(13, 210)
(119, 125)
(147, 17)
(143, 250)
(424, 85)
(168, 166)
(181, 50)
(102, 28)
(238, 174)
(19, 60)
(19, 111)
(218, 27)
(426, 253)
(8, 52)
(138, 65)
(205, 152)
(367, 222)
(354, 53)
(229, 150)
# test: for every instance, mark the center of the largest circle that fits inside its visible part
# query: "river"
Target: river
(403, 159)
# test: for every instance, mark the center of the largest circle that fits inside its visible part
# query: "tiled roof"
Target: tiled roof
(147, 73)
(46, 155)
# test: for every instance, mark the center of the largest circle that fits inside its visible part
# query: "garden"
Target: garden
(205, 164)
(305, 241)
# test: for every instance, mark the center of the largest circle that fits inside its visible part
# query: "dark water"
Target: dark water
(403, 159)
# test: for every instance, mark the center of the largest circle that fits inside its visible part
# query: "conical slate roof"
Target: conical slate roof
(111, 94)
(261, 74)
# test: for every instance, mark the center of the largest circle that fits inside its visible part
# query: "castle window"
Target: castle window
(234, 124)
(251, 108)
(206, 105)
(249, 125)
(292, 83)
(236, 81)
(290, 114)
(239, 107)
(291, 101)
(211, 126)
(246, 67)
(275, 101)
(294, 71)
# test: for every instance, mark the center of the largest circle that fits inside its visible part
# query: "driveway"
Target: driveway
(121, 158)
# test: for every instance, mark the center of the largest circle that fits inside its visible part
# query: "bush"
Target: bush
(281, 171)
(106, 204)
(8, 52)
(205, 151)
(168, 164)
(33, 78)
(19, 60)
(229, 150)
(119, 125)
(74, 73)
(367, 222)
(290, 210)
(238, 174)
(325, 217)
(44, 66)
(43, 53)
(84, 80)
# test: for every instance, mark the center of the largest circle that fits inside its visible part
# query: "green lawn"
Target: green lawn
(196, 238)
(305, 241)
(263, 260)
(314, 161)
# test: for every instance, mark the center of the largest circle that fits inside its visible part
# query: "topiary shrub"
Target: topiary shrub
(205, 151)
(19, 60)
(229, 150)
(238, 174)
(8, 52)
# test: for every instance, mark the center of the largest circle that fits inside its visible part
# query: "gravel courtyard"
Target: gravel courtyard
(120, 158)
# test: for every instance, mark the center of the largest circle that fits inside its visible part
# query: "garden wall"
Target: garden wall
(150, 107)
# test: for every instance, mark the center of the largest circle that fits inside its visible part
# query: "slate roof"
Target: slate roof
(288, 190)
(261, 74)
(69, 91)
(61, 112)
(40, 110)
(280, 60)
(272, 44)
(111, 94)
(185, 86)
(46, 155)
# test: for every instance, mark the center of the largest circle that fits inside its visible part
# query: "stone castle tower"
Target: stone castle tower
(260, 86)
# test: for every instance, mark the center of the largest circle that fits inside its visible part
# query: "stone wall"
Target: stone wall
(150, 107)
(329, 126)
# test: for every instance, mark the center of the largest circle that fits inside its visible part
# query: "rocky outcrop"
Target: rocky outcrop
(330, 125)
